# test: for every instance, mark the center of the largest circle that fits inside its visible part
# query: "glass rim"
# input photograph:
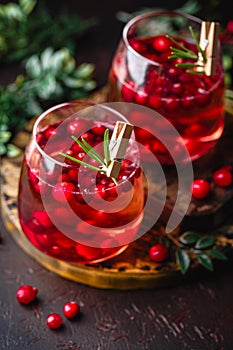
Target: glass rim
(140, 17)
(57, 107)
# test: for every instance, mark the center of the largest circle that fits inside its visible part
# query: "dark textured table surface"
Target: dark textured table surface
(197, 315)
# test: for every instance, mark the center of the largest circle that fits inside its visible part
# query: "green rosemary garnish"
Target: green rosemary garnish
(92, 153)
(181, 51)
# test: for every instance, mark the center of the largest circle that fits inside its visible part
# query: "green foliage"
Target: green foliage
(28, 27)
(183, 260)
(193, 244)
(50, 77)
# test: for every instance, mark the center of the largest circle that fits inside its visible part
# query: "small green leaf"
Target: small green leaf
(205, 261)
(189, 237)
(2, 149)
(183, 260)
(5, 136)
(205, 242)
(217, 254)
(12, 151)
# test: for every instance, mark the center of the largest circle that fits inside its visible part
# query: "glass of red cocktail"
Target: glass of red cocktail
(70, 211)
(144, 73)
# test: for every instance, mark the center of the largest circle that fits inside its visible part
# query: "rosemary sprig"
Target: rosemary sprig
(180, 51)
(92, 153)
(106, 147)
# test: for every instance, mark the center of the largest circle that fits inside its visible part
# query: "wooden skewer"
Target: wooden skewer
(208, 43)
(117, 147)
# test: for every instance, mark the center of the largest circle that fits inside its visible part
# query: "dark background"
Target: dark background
(195, 316)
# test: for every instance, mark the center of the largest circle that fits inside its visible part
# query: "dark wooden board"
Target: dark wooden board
(133, 269)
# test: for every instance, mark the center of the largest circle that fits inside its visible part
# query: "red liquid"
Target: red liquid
(39, 187)
(192, 103)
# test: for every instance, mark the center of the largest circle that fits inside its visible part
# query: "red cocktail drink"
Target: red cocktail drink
(142, 72)
(67, 210)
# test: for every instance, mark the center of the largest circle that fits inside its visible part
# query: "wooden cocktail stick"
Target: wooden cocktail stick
(117, 147)
(209, 44)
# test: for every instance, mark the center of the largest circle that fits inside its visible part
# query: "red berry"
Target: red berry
(141, 97)
(54, 321)
(222, 177)
(26, 294)
(161, 43)
(200, 188)
(158, 252)
(127, 91)
(76, 127)
(171, 104)
(71, 309)
(63, 191)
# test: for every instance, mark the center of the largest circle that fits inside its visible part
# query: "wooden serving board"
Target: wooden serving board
(133, 269)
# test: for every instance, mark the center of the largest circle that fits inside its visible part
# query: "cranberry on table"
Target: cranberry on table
(54, 321)
(26, 294)
(158, 253)
(71, 309)
(200, 188)
(222, 177)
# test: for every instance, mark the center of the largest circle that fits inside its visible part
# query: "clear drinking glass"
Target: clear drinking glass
(142, 73)
(69, 211)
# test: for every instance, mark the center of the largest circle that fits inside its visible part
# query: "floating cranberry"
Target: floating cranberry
(51, 131)
(127, 91)
(76, 127)
(44, 240)
(43, 218)
(54, 321)
(71, 309)
(141, 97)
(88, 137)
(222, 177)
(63, 191)
(88, 253)
(200, 188)
(171, 104)
(203, 97)
(161, 43)
(138, 46)
(98, 129)
(158, 253)
(155, 102)
(26, 294)
(177, 89)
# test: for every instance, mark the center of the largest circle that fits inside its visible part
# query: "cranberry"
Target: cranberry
(51, 131)
(200, 188)
(155, 102)
(158, 252)
(71, 309)
(138, 46)
(98, 129)
(89, 253)
(161, 43)
(63, 191)
(203, 97)
(177, 89)
(222, 177)
(127, 91)
(76, 126)
(171, 104)
(43, 218)
(26, 294)
(141, 97)
(44, 240)
(54, 321)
